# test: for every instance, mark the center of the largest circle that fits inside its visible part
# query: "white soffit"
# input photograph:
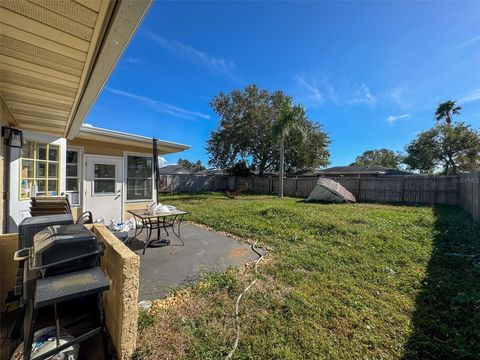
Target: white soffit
(55, 57)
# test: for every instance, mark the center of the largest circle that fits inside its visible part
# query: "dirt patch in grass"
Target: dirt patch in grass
(164, 339)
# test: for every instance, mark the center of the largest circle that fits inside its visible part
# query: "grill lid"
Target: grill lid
(59, 244)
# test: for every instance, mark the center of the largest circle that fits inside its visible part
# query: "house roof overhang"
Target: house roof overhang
(56, 57)
(90, 133)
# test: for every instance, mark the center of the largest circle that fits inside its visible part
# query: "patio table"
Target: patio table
(173, 220)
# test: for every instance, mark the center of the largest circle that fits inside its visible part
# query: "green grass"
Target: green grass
(341, 282)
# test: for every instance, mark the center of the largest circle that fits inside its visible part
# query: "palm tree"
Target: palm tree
(446, 110)
(290, 120)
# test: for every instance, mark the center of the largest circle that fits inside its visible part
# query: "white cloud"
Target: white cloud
(394, 118)
(161, 106)
(364, 96)
(468, 42)
(88, 125)
(134, 60)
(397, 95)
(162, 161)
(344, 92)
(215, 64)
(313, 92)
(470, 97)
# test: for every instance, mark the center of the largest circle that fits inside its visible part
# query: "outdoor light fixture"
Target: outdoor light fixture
(13, 137)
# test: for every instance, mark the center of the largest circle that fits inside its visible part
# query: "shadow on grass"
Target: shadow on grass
(446, 322)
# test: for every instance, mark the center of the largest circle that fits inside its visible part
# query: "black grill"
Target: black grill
(60, 263)
(61, 249)
(32, 225)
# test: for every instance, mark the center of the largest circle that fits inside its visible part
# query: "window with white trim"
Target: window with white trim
(72, 183)
(39, 170)
(139, 177)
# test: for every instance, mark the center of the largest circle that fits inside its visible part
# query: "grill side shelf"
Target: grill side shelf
(69, 286)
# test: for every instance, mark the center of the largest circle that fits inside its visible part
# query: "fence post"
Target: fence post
(403, 189)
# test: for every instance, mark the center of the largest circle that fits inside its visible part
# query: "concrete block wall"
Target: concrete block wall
(121, 266)
(8, 267)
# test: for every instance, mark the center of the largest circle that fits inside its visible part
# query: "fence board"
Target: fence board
(469, 194)
(463, 190)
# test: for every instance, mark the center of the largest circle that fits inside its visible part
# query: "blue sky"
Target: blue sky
(371, 72)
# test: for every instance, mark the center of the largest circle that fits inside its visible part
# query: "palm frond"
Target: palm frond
(290, 119)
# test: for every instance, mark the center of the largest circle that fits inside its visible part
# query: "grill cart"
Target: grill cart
(61, 265)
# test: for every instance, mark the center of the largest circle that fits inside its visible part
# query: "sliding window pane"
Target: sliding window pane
(72, 184)
(72, 170)
(139, 167)
(72, 157)
(138, 189)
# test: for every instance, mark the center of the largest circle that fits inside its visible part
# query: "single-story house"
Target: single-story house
(173, 170)
(356, 171)
(56, 58)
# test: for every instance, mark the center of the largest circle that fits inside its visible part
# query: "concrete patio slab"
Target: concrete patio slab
(166, 268)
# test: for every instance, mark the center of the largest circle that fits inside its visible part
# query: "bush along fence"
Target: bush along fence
(463, 190)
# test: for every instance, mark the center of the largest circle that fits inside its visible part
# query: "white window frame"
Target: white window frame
(125, 177)
(81, 161)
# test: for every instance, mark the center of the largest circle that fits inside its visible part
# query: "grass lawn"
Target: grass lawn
(340, 282)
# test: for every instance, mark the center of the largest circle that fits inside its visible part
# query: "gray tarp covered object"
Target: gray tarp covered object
(328, 190)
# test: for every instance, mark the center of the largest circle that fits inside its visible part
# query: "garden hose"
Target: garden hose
(237, 305)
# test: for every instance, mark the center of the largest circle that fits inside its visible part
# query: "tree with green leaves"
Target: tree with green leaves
(289, 121)
(446, 110)
(245, 133)
(381, 157)
(240, 169)
(192, 166)
(447, 148)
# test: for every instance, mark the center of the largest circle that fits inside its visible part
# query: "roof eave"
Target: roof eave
(131, 137)
(124, 21)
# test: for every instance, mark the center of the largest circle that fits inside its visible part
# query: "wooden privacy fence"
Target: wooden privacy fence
(460, 190)
(469, 193)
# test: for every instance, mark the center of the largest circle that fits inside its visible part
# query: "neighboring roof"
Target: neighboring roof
(57, 56)
(211, 171)
(90, 133)
(361, 170)
(173, 170)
